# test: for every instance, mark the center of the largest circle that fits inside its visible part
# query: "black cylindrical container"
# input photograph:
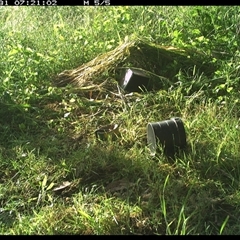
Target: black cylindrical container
(135, 80)
(170, 134)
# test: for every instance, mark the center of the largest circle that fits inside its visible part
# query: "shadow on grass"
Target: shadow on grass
(112, 171)
(217, 189)
(116, 171)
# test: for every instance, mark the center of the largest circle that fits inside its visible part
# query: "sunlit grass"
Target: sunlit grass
(56, 178)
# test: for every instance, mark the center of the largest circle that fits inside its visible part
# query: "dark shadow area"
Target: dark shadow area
(106, 169)
(7, 218)
(167, 61)
(218, 184)
(17, 119)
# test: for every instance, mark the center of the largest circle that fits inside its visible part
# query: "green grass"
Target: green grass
(47, 136)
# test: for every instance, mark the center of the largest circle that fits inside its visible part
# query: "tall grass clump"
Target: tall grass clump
(57, 178)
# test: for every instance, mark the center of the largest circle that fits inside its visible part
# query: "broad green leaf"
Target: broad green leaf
(13, 52)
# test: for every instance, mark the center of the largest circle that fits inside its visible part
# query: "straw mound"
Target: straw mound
(162, 61)
(89, 73)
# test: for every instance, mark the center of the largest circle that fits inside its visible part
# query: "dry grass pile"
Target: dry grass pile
(90, 73)
(163, 62)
